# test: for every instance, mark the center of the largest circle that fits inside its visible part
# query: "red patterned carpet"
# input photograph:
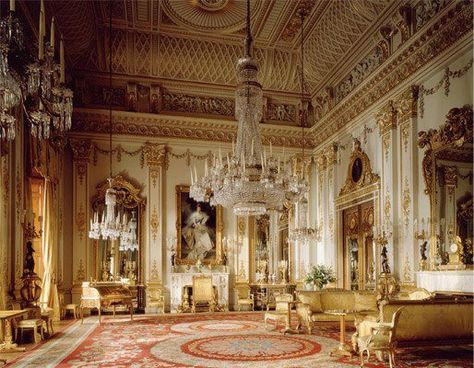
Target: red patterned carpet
(236, 340)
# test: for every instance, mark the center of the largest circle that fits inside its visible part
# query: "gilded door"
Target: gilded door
(359, 248)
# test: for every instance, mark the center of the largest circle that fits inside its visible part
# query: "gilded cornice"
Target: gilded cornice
(164, 126)
(452, 26)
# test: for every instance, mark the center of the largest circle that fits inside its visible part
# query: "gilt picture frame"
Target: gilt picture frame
(198, 230)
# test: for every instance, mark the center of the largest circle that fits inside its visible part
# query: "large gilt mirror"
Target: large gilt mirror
(448, 170)
(121, 259)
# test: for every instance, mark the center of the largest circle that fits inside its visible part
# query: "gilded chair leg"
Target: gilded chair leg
(361, 355)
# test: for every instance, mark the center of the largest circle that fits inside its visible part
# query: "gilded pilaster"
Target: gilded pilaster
(81, 149)
(330, 154)
(387, 123)
(406, 105)
(156, 160)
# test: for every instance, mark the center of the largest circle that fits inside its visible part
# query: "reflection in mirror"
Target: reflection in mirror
(353, 252)
(447, 170)
(262, 249)
(120, 259)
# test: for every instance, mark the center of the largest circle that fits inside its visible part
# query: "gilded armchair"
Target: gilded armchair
(283, 303)
(203, 294)
(244, 297)
(382, 338)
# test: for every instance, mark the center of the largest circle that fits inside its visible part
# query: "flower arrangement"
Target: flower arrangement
(320, 275)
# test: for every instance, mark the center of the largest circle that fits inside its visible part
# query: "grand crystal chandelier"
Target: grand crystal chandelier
(110, 225)
(248, 181)
(11, 36)
(302, 233)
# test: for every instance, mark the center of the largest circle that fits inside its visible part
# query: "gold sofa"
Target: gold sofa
(311, 305)
(427, 322)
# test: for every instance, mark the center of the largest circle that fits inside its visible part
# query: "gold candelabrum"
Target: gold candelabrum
(283, 268)
(382, 240)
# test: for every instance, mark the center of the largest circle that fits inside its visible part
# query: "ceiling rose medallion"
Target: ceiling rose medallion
(212, 5)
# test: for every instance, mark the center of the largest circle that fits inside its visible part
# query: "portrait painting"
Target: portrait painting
(199, 230)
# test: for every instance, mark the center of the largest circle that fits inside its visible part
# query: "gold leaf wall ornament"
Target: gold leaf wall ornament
(405, 130)
(386, 145)
(81, 221)
(406, 202)
(444, 81)
(387, 207)
(81, 272)
(407, 270)
(154, 223)
(154, 273)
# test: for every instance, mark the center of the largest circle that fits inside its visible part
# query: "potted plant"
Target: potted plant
(319, 276)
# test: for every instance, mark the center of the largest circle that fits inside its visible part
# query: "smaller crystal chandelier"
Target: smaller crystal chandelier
(109, 225)
(302, 233)
(11, 36)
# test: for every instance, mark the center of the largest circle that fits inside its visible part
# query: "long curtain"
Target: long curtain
(4, 243)
(50, 245)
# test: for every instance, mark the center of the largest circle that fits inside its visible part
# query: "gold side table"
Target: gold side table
(343, 348)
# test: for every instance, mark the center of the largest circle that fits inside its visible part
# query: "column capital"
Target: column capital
(156, 155)
(81, 149)
(387, 118)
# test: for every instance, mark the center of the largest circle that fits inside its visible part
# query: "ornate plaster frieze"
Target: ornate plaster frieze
(163, 126)
(452, 26)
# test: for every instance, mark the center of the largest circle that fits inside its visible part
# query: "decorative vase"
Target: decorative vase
(316, 287)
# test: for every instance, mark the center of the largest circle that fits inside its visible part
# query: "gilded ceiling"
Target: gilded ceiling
(199, 41)
(178, 57)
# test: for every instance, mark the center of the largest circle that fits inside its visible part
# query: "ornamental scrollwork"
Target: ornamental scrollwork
(359, 172)
(455, 132)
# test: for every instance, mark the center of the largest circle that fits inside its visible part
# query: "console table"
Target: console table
(179, 280)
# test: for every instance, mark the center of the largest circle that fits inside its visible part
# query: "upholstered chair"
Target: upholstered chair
(282, 311)
(244, 298)
(33, 322)
(47, 315)
(155, 298)
(64, 308)
(383, 338)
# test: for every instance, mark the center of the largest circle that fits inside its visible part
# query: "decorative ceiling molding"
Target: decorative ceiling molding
(454, 24)
(224, 16)
(164, 126)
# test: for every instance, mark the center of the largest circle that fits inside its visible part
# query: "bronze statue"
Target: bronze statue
(29, 259)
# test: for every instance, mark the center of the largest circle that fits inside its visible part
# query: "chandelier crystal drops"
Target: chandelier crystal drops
(248, 181)
(11, 36)
(128, 239)
(302, 233)
(46, 84)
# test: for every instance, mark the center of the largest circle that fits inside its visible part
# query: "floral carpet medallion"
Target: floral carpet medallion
(234, 340)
